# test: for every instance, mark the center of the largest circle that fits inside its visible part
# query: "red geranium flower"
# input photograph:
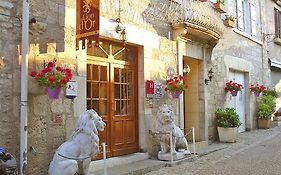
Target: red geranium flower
(232, 86)
(33, 74)
(258, 88)
(175, 84)
(52, 75)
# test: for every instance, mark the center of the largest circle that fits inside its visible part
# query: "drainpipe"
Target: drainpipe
(24, 90)
(264, 43)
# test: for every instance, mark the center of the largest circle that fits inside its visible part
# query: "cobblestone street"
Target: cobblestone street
(257, 152)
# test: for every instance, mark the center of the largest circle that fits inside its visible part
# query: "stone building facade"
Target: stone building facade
(272, 44)
(201, 42)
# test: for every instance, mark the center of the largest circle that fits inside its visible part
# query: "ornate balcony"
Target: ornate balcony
(202, 23)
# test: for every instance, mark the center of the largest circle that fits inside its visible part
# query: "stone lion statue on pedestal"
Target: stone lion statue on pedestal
(75, 154)
(166, 124)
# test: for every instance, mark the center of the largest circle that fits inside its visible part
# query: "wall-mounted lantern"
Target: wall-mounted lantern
(170, 73)
(186, 69)
(210, 76)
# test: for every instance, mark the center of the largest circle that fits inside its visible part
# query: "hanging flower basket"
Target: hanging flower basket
(232, 87)
(257, 89)
(234, 93)
(176, 86)
(54, 93)
(54, 77)
(176, 94)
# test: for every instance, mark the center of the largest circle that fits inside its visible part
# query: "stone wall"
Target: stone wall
(233, 44)
(274, 50)
(53, 37)
(10, 36)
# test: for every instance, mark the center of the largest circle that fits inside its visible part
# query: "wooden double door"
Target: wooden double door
(112, 92)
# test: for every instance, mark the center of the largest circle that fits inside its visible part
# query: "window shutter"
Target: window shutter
(253, 10)
(277, 19)
(247, 17)
(240, 16)
(276, 22)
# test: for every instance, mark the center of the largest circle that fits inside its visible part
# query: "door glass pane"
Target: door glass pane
(117, 107)
(124, 91)
(116, 75)
(124, 107)
(130, 76)
(95, 106)
(97, 51)
(124, 76)
(128, 53)
(117, 91)
(131, 107)
(89, 90)
(102, 107)
(103, 90)
(130, 91)
(95, 90)
(89, 105)
(89, 66)
(95, 70)
(103, 73)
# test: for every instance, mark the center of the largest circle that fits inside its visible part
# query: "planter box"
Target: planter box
(228, 134)
(264, 123)
(219, 7)
(228, 23)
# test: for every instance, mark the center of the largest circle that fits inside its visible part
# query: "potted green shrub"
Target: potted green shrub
(265, 108)
(227, 123)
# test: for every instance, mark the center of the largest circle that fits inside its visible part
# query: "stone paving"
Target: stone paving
(232, 155)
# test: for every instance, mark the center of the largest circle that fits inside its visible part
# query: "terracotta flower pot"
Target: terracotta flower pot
(264, 123)
(219, 7)
(228, 23)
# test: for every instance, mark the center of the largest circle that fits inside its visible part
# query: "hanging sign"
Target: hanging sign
(87, 22)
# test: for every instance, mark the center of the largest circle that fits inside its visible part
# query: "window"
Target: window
(246, 16)
(277, 17)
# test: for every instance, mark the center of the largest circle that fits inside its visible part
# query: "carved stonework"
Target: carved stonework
(204, 21)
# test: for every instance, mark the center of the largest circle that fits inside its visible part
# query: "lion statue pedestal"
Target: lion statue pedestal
(165, 125)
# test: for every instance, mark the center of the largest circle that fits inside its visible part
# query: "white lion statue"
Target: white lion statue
(166, 124)
(83, 144)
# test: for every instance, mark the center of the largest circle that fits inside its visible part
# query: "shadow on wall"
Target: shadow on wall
(48, 25)
(161, 14)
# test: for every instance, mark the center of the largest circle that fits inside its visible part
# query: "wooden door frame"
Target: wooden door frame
(110, 61)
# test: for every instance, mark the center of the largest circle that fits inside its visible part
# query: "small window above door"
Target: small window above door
(114, 50)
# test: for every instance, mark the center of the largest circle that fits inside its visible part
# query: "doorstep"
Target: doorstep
(139, 163)
(117, 161)
(139, 167)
